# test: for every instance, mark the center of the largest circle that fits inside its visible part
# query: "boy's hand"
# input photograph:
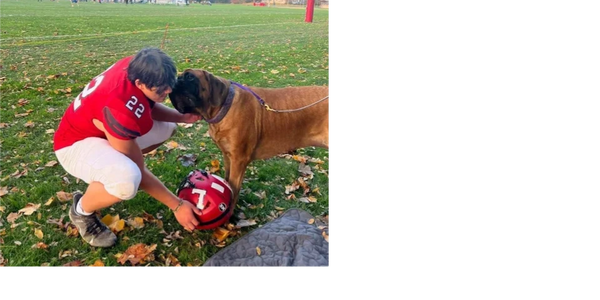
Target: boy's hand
(190, 118)
(186, 215)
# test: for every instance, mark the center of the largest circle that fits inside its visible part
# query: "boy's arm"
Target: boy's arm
(150, 183)
(161, 112)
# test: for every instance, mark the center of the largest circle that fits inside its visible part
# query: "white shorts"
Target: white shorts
(93, 159)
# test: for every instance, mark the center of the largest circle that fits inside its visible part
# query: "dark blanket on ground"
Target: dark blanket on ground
(286, 241)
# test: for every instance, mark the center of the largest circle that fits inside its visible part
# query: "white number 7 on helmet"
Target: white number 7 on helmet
(201, 194)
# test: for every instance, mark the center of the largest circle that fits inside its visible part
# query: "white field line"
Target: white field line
(99, 35)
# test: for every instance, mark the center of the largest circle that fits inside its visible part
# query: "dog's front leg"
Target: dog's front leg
(236, 176)
(226, 166)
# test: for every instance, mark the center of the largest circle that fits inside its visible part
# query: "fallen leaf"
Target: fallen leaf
(114, 223)
(50, 131)
(39, 245)
(220, 233)
(311, 221)
(97, 263)
(171, 145)
(299, 158)
(305, 169)
(29, 209)
(261, 195)
(274, 72)
(64, 196)
(187, 159)
(51, 163)
(38, 233)
(215, 165)
(76, 263)
(258, 251)
(172, 261)
(49, 201)
(304, 199)
(3, 191)
(29, 124)
(245, 223)
(136, 222)
(137, 253)
(72, 230)
(12, 217)
(291, 188)
(18, 243)
(15, 225)
(325, 236)
(152, 153)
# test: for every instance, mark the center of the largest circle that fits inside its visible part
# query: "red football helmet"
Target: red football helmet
(211, 194)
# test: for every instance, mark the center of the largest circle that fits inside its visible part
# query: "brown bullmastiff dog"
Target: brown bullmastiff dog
(250, 123)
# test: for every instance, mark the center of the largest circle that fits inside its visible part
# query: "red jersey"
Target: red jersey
(112, 99)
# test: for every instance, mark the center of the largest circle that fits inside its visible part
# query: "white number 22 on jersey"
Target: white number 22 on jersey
(138, 110)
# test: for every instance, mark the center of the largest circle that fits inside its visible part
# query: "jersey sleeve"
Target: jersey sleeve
(122, 125)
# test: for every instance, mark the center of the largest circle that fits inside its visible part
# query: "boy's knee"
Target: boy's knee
(125, 182)
(126, 190)
(167, 130)
(172, 128)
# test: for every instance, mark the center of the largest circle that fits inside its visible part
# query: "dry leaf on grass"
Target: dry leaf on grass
(51, 163)
(220, 233)
(136, 222)
(215, 165)
(114, 223)
(12, 217)
(64, 196)
(49, 201)
(171, 145)
(29, 209)
(98, 265)
(38, 233)
(137, 254)
(325, 236)
(3, 191)
(39, 245)
(245, 223)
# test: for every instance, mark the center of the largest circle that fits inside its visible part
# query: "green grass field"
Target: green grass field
(50, 51)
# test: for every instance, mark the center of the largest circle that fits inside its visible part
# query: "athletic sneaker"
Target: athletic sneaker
(91, 229)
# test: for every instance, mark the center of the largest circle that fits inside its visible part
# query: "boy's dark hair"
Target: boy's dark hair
(153, 68)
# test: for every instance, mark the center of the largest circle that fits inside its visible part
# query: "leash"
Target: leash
(267, 107)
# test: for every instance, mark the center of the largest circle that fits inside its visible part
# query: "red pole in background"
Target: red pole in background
(310, 7)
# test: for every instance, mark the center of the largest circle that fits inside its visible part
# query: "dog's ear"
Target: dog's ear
(218, 90)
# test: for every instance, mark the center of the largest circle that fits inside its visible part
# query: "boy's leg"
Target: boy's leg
(160, 132)
(111, 176)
